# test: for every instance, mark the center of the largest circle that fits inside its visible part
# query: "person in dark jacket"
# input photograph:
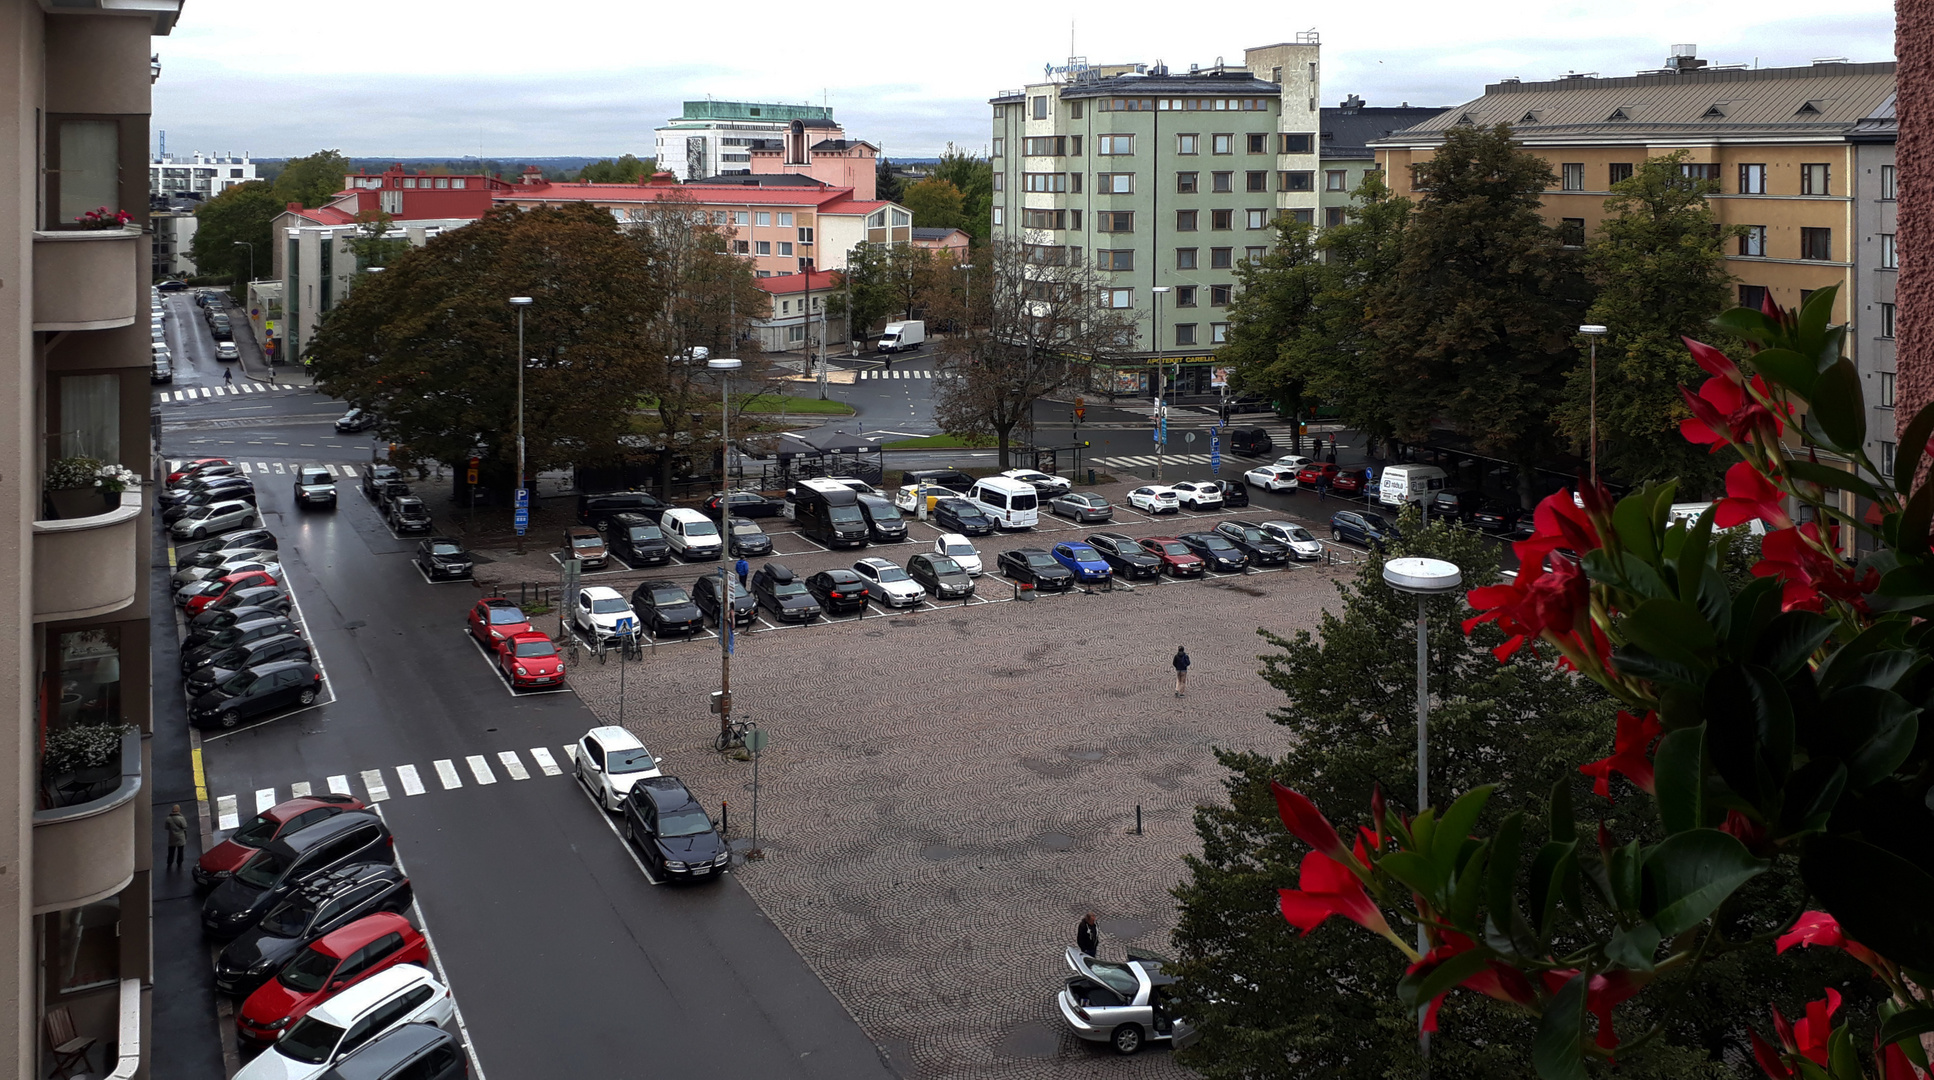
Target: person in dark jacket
(177, 827)
(742, 568)
(1181, 671)
(1086, 937)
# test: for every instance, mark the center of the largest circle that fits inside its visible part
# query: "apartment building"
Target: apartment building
(1344, 147)
(1162, 181)
(713, 138)
(1801, 158)
(174, 236)
(200, 176)
(75, 860)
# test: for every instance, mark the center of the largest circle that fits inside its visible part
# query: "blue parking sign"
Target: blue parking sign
(1215, 454)
(523, 497)
(522, 520)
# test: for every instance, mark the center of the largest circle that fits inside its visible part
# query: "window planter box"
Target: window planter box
(86, 279)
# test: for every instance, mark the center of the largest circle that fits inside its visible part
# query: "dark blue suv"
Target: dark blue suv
(1361, 527)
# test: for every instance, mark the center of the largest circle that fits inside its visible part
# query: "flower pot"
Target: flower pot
(82, 502)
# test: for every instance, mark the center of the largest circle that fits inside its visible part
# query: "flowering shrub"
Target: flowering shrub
(87, 472)
(104, 218)
(1774, 725)
(114, 479)
(82, 746)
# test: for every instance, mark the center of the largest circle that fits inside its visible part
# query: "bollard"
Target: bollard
(1091, 476)
(1138, 819)
(725, 818)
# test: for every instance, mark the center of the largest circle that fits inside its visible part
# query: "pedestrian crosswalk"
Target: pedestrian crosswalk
(375, 783)
(898, 373)
(1150, 459)
(198, 393)
(278, 468)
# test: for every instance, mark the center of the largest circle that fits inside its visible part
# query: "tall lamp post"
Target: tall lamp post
(1594, 331)
(1161, 406)
(1423, 578)
(725, 366)
(968, 268)
(520, 303)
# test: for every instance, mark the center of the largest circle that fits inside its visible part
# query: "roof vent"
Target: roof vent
(1529, 118)
(1684, 58)
(1810, 108)
(1819, 60)
(1466, 119)
(1510, 80)
(1351, 102)
(1716, 112)
(1617, 114)
(1578, 75)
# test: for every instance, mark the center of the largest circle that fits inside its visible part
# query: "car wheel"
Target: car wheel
(1127, 1039)
(307, 697)
(198, 534)
(230, 718)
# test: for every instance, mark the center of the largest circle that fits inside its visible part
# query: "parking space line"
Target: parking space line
(264, 798)
(299, 790)
(513, 765)
(570, 752)
(545, 762)
(226, 817)
(446, 771)
(339, 785)
(480, 768)
(373, 783)
(412, 784)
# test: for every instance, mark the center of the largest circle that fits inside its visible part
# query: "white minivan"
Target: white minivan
(1012, 504)
(691, 534)
(1409, 484)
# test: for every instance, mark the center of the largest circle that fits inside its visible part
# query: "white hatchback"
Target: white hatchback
(1045, 483)
(961, 550)
(1292, 462)
(1154, 500)
(609, 761)
(1301, 544)
(1199, 495)
(404, 994)
(1272, 477)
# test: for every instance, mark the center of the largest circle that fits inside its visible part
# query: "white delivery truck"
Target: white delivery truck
(901, 336)
(1409, 484)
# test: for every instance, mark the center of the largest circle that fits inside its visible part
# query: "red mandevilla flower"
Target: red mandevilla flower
(1714, 361)
(1750, 496)
(1327, 888)
(1550, 593)
(1810, 576)
(1820, 928)
(1306, 822)
(1723, 412)
(1630, 750)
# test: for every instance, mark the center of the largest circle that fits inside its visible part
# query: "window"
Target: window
(1000, 147)
(1258, 143)
(1115, 221)
(785, 247)
(1752, 179)
(1753, 241)
(741, 247)
(1118, 298)
(1115, 260)
(741, 217)
(1185, 220)
(1255, 181)
(762, 247)
(1889, 253)
(1074, 182)
(1185, 258)
(1000, 181)
(88, 952)
(1255, 254)
(1886, 458)
(1618, 172)
(84, 169)
(1332, 216)
(1222, 144)
(1752, 296)
(1041, 108)
(1218, 333)
(1075, 113)
(1043, 219)
(1222, 219)
(1221, 258)
(805, 235)
(90, 416)
(1573, 174)
(1185, 333)
(1074, 141)
(1257, 219)
(1045, 146)
(1219, 295)
(1000, 112)
(1887, 182)
(1116, 183)
(1188, 144)
(1816, 243)
(1046, 255)
(1571, 231)
(1000, 215)
(785, 221)
(762, 218)
(1303, 217)
(1185, 182)
(1222, 182)
(1185, 296)
(1336, 180)
(1052, 182)
(1296, 142)
(1298, 181)
(1115, 145)
(1816, 179)
(1886, 390)
(1886, 320)
(1700, 171)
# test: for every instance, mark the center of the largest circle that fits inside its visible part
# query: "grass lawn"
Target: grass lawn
(794, 405)
(941, 442)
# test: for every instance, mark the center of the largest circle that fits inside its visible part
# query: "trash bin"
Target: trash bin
(1091, 476)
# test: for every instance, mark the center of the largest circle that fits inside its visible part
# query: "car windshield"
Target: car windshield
(1300, 534)
(884, 511)
(586, 542)
(961, 549)
(1040, 558)
(692, 822)
(636, 759)
(311, 1041)
(641, 533)
(609, 605)
(289, 918)
(1082, 552)
(746, 528)
(505, 616)
(536, 648)
(446, 549)
(307, 973)
(1117, 977)
(701, 528)
(1374, 521)
(943, 565)
(262, 870)
(1174, 549)
(844, 515)
(790, 588)
(1217, 543)
(667, 597)
(239, 682)
(890, 573)
(257, 832)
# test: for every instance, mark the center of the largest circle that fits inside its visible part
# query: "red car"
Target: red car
(190, 468)
(1349, 482)
(495, 619)
(332, 962)
(530, 659)
(1177, 559)
(224, 586)
(1316, 472)
(226, 857)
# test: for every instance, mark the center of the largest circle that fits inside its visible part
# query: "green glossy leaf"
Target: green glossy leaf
(1634, 946)
(1838, 407)
(1455, 828)
(1829, 477)
(1873, 640)
(1623, 872)
(1754, 609)
(1501, 873)
(1786, 368)
(1715, 598)
(1640, 664)
(1749, 323)
(1842, 1062)
(1636, 526)
(1906, 1024)
(1563, 826)
(1812, 791)
(1422, 828)
(1689, 566)
(1908, 579)
(1558, 1050)
(1816, 313)
(1790, 639)
(1671, 629)
(1418, 873)
(1895, 729)
(1881, 670)
(1689, 874)
(1679, 778)
(1468, 892)
(1911, 532)
(1551, 873)
(1749, 732)
(1913, 443)
(1417, 990)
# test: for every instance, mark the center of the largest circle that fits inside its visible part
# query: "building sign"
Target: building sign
(1219, 377)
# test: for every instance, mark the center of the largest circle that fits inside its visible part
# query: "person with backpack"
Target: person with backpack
(1181, 663)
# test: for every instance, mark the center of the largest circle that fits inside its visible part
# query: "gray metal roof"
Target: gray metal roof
(1154, 85)
(1823, 101)
(1348, 129)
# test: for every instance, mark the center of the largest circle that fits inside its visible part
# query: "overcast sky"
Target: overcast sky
(413, 79)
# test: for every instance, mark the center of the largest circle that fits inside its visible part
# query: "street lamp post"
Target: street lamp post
(520, 303)
(968, 324)
(1594, 331)
(1161, 406)
(725, 366)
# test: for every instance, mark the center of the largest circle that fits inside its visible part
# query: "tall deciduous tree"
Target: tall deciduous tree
(313, 179)
(1660, 266)
(629, 169)
(240, 214)
(974, 176)
(936, 204)
(1275, 316)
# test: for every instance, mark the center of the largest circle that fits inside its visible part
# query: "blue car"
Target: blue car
(1083, 561)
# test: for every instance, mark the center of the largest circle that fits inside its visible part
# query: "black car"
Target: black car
(940, 576)
(417, 1051)
(1251, 441)
(664, 607)
(883, 521)
(1125, 556)
(1262, 548)
(252, 692)
(705, 594)
(1474, 509)
(245, 631)
(376, 474)
(443, 558)
(273, 597)
(1234, 494)
(748, 539)
(838, 591)
(1032, 566)
(328, 901)
(356, 420)
(1216, 552)
(962, 516)
(253, 539)
(254, 654)
(947, 478)
(776, 590)
(599, 508)
(1361, 527)
(408, 514)
(175, 496)
(284, 864)
(749, 504)
(637, 540)
(389, 491)
(672, 831)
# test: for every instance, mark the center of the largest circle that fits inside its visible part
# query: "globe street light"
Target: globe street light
(725, 366)
(1594, 331)
(520, 303)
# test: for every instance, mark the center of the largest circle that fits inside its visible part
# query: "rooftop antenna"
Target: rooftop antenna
(1071, 51)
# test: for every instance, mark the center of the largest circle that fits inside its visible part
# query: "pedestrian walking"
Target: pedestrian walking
(742, 568)
(228, 377)
(1086, 937)
(1181, 670)
(1323, 489)
(177, 835)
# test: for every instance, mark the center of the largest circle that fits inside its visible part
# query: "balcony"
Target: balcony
(86, 279)
(85, 852)
(87, 566)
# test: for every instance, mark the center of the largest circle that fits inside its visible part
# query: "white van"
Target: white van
(1689, 513)
(900, 336)
(1409, 484)
(691, 534)
(1012, 504)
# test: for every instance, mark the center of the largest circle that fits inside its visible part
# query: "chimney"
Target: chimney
(1351, 102)
(1684, 58)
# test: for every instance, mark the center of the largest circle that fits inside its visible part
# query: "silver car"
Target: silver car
(205, 521)
(248, 560)
(1081, 506)
(1125, 1004)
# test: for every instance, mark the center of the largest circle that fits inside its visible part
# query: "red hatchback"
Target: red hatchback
(530, 659)
(226, 857)
(1316, 472)
(495, 620)
(1350, 482)
(232, 582)
(339, 959)
(189, 469)
(1177, 559)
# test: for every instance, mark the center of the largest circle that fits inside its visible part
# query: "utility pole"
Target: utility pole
(725, 365)
(1161, 405)
(520, 303)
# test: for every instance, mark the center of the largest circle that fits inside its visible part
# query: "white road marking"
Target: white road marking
(299, 790)
(571, 753)
(339, 785)
(480, 768)
(412, 785)
(513, 765)
(264, 798)
(545, 761)
(245, 468)
(225, 816)
(373, 783)
(278, 467)
(446, 771)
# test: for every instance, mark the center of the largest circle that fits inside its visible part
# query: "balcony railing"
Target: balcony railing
(87, 566)
(86, 279)
(85, 852)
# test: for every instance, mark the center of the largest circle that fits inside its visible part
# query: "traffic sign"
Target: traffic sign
(522, 520)
(756, 739)
(473, 476)
(523, 497)
(1215, 454)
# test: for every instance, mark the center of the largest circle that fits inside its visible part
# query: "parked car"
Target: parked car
(597, 508)
(355, 420)
(418, 1051)
(196, 466)
(224, 496)
(201, 491)
(1261, 548)
(246, 657)
(962, 516)
(253, 692)
(214, 564)
(1316, 473)
(705, 594)
(747, 539)
(219, 862)
(1154, 500)
(1035, 569)
(1198, 494)
(258, 539)
(236, 607)
(333, 962)
(204, 521)
(586, 544)
(947, 478)
(376, 475)
(195, 597)
(530, 660)
(1361, 527)
(783, 595)
(408, 514)
(321, 904)
(1081, 506)
(637, 540)
(1177, 560)
(672, 831)
(1046, 484)
(1293, 462)
(315, 485)
(1354, 483)
(664, 607)
(600, 613)
(259, 626)
(442, 558)
(493, 619)
(1496, 516)
(384, 1002)
(227, 350)
(282, 865)
(887, 584)
(908, 498)
(1216, 552)
(609, 762)
(1234, 495)
(1124, 556)
(388, 492)
(692, 535)
(884, 525)
(838, 591)
(941, 576)
(1277, 477)
(1126, 1004)
(161, 369)
(961, 550)
(749, 504)
(1083, 561)
(1302, 545)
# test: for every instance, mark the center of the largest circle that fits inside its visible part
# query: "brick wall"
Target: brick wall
(1914, 330)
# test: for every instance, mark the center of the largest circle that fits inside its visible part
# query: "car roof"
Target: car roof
(274, 667)
(285, 812)
(1161, 539)
(613, 737)
(254, 621)
(665, 791)
(602, 592)
(497, 602)
(530, 635)
(1029, 551)
(442, 540)
(382, 1054)
(332, 883)
(878, 563)
(344, 940)
(840, 574)
(343, 1009)
(778, 570)
(323, 831)
(581, 530)
(657, 583)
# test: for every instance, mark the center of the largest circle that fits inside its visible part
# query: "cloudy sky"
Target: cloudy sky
(594, 77)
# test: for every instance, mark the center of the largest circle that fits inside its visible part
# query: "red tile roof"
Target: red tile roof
(327, 215)
(702, 194)
(790, 283)
(853, 206)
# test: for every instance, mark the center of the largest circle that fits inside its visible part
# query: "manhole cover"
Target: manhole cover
(1055, 841)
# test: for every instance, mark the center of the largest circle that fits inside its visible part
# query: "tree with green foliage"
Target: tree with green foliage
(629, 169)
(1274, 318)
(974, 177)
(240, 214)
(1477, 325)
(897, 281)
(312, 180)
(1659, 263)
(372, 245)
(886, 185)
(936, 204)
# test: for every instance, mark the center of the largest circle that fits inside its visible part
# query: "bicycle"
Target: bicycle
(732, 736)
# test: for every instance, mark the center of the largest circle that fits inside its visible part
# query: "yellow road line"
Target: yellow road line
(201, 779)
